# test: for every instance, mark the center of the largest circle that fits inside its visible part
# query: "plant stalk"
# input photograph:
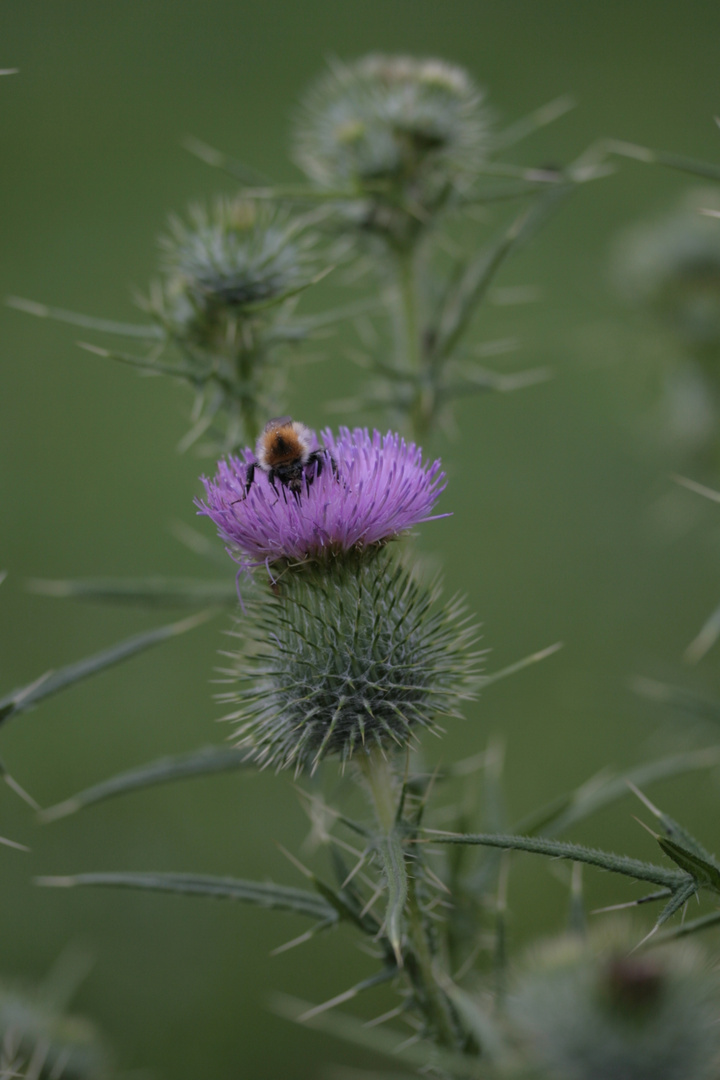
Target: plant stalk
(419, 960)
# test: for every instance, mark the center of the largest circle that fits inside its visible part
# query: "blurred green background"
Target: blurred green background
(566, 525)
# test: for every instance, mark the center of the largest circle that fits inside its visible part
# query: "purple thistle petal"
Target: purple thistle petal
(382, 488)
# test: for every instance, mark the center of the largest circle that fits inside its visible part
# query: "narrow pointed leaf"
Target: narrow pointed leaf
(148, 363)
(561, 849)
(261, 305)
(25, 697)
(462, 301)
(147, 592)
(147, 332)
(258, 893)
(381, 1039)
(203, 762)
(678, 899)
(537, 119)
(568, 810)
(519, 665)
(348, 995)
(704, 872)
(670, 161)
(692, 926)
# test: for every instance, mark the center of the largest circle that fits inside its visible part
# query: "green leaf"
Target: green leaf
(149, 363)
(567, 810)
(393, 861)
(537, 119)
(693, 926)
(678, 899)
(146, 332)
(54, 681)
(705, 872)
(148, 592)
(561, 849)
(203, 762)
(423, 1053)
(519, 665)
(347, 995)
(661, 157)
(464, 297)
(260, 894)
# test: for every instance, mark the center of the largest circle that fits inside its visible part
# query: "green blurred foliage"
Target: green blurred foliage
(566, 525)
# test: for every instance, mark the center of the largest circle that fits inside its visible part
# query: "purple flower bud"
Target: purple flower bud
(358, 491)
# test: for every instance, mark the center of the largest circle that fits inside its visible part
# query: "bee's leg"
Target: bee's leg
(249, 477)
(271, 477)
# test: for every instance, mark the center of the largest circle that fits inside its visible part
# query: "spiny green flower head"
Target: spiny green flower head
(672, 267)
(344, 658)
(60, 1045)
(404, 133)
(599, 1011)
(227, 263)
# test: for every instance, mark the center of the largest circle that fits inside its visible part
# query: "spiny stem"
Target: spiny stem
(248, 406)
(419, 963)
(423, 405)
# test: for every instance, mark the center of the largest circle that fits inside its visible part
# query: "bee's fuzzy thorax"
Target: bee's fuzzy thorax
(283, 442)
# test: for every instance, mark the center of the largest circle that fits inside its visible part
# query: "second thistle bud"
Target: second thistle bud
(225, 261)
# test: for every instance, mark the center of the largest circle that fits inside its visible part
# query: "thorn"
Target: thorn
(14, 786)
(655, 836)
(644, 799)
(296, 862)
(647, 937)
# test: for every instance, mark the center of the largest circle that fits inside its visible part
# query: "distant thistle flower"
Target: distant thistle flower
(672, 267)
(404, 134)
(607, 1013)
(379, 488)
(224, 263)
(349, 657)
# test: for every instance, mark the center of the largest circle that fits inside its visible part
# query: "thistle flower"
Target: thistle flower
(377, 488)
(225, 262)
(402, 133)
(348, 657)
(602, 1014)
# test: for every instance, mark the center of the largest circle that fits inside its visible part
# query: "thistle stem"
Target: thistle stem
(423, 403)
(419, 960)
(248, 405)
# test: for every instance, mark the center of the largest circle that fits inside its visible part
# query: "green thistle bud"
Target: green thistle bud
(609, 1013)
(225, 263)
(33, 1030)
(346, 658)
(404, 134)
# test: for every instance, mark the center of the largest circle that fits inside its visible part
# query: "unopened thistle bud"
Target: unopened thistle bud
(402, 134)
(605, 1012)
(224, 263)
(348, 658)
(347, 652)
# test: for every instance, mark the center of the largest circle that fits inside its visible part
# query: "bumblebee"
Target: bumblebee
(284, 453)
